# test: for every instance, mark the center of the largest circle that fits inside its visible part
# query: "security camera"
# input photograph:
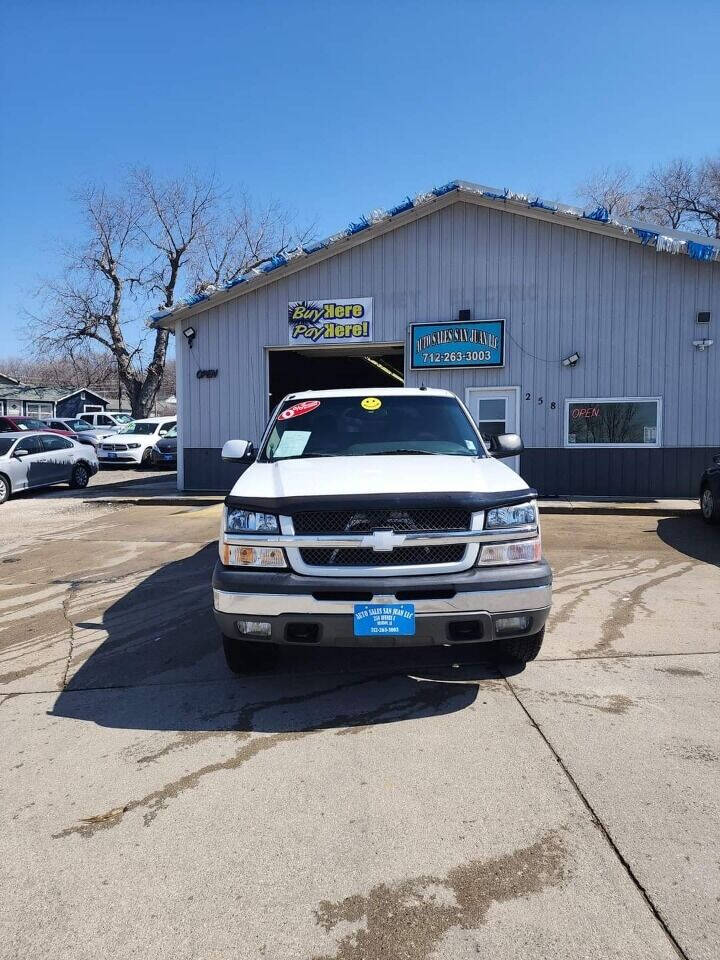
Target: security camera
(571, 360)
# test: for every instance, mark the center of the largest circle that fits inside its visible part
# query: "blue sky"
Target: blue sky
(333, 108)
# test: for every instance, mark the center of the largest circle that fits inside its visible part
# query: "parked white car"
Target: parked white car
(30, 460)
(135, 443)
(84, 432)
(109, 421)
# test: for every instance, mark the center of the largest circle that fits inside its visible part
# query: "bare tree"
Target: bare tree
(680, 194)
(145, 245)
(612, 188)
(665, 193)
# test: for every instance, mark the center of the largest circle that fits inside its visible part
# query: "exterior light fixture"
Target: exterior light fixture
(571, 360)
(189, 333)
(702, 344)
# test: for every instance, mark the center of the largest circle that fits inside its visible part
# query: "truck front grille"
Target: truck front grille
(401, 556)
(366, 521)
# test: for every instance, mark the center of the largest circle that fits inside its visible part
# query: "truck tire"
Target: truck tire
(245, 656)
(522, 649)
(709, 506)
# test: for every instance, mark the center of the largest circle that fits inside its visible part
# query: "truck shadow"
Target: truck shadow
(161, 668)
(692, 536)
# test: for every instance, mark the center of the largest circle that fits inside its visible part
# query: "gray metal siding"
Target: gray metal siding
(629, 312)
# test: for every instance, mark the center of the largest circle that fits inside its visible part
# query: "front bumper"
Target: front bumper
(119, 456)
(456, 608)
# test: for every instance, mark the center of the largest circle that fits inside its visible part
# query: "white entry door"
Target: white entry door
(495, 410)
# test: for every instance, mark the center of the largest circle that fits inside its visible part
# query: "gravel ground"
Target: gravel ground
(34, 513)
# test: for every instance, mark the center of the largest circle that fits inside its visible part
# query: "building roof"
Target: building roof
(23, 391)
(662, 239)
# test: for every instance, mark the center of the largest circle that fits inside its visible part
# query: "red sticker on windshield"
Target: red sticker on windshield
(298, 409)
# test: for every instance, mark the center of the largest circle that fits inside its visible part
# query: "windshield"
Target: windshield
(27, 423)
(5, 445)
(78, 425)
(366, 426)
(122, 417)
(138, 426)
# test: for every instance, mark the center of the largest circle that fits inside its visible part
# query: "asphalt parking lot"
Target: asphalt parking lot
(354, 805)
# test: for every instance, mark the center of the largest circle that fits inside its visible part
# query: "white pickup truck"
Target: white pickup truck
(378, 518)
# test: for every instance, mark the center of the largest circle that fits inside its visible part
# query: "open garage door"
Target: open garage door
(329, 368)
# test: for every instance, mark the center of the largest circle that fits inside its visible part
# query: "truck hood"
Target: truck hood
(350, 476)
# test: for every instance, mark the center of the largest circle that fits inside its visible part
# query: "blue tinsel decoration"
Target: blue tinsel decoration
(362, 224)
(233, 283)
(537, 202)
(602, 214)
(700, 251)
(314, 247)
(277, 261)
(406, 204)
(496, 196)
(647, 236)
(446, 188)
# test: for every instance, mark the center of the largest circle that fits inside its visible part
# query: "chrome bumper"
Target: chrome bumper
(517, 600)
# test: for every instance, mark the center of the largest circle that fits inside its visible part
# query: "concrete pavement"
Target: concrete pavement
(356, 805)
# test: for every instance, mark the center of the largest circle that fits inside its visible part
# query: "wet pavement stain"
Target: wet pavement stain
(680, 671)
(616, 703)
(406, 920)
(623, 610)
(425, 700)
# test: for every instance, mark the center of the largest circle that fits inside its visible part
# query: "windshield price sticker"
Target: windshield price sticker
(382, 620)
(298, 409)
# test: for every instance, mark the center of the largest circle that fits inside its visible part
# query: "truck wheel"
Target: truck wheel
(80, 477)
(522, 649)
(709, 506)
(244, 656)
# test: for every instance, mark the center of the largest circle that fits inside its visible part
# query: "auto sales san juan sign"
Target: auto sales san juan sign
(330, 321)
(475, 343)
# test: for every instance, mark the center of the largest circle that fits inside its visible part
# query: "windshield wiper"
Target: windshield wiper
(389, 453)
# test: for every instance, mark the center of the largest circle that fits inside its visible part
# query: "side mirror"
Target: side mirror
(505, 445)
(237, 451)
(21, 453)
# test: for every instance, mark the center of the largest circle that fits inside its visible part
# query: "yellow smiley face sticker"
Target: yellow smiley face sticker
(371, 403)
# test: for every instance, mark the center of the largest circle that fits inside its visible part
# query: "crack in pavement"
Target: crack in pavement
(71, 636)
(601, 826)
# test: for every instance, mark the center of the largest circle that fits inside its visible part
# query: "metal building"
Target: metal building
(591, 337)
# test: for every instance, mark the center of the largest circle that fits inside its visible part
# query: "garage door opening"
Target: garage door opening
(326, 368)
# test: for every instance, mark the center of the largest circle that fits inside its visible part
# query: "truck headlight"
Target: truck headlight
(519, 515)
(133, 446)
(248, 521)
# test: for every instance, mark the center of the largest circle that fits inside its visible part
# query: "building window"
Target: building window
(39, 410)
(621, 422)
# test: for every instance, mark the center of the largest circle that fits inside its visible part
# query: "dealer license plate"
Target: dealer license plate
(168, 456)
(384, 619)
(111, 455)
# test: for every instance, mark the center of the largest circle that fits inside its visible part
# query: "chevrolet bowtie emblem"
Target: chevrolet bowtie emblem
(383, 541)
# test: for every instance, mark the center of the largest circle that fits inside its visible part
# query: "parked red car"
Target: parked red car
(17, 424)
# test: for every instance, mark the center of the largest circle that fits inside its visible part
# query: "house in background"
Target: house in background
(22, 400)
